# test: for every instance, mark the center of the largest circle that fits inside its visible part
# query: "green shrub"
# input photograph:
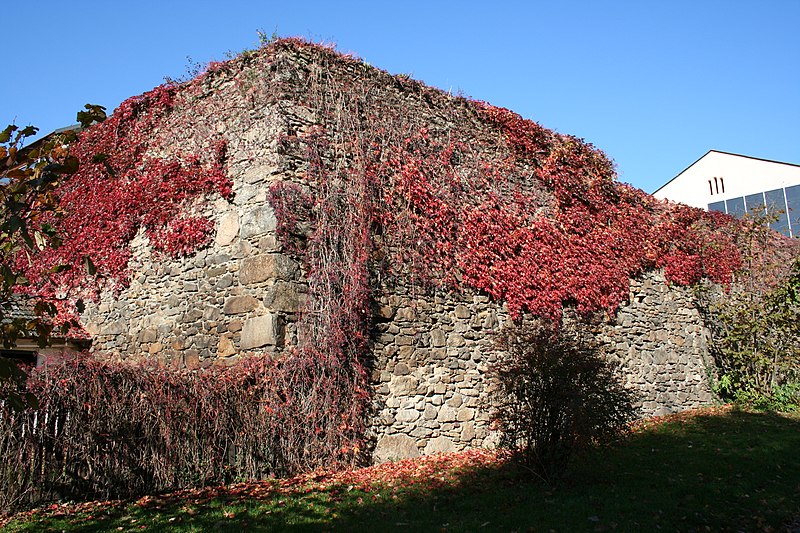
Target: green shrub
(783, 398)
(756, 343)
(556, 393)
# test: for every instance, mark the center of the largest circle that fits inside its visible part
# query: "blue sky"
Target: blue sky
(653, 84)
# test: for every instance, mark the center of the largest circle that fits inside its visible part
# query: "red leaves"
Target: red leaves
(119, 190)
(486, 228)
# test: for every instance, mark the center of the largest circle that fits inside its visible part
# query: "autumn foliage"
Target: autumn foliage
(106, 429)
(118, 190)
(456, 196)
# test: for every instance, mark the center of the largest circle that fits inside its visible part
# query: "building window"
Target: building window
(754, 203)
(793, 208)
(717, 206)
(710, 188)
(722, 184)
(776, 208)
(735, 207)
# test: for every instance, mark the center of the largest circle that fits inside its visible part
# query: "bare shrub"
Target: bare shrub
(113, 430)
(556, 393)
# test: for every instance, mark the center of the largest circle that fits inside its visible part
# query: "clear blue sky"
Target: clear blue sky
(653, 84)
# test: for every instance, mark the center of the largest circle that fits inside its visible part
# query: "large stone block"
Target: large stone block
(258, 221)
(284, 297)
(394, 448)
(228, 228)
(261, 331)
(439, 445)
(266, 266)
(236, 305)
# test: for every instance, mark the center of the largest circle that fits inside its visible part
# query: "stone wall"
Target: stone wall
(660, 340)
(433, 356)
(242, 294)
(431, 387)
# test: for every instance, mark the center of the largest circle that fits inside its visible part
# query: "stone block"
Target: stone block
(407, 415)
(266, 266)
(227, 229)
(439, 445)
(404, 340)
(465, 414)
(284, 297)
(467, 432)
(455, 401)
(237, 305)
(401, 369)
(454, 340)
(462, 311)
(225, 347)
(386, 312)
(446, 414)
(394, 448)
(490, 320)
(261, 331)
(405, 313)
(191, 359)
(405, 353)
(258, 221)
(430, 412)
(269, 243)
(404, 385)
(148, 335)
(438, 338)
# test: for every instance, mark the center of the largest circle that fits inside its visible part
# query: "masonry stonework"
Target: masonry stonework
(431, 355)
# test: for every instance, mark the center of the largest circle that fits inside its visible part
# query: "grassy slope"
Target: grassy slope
(734, 471)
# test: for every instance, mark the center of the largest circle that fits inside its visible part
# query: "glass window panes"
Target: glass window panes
(755, 204)
(776, 207)
(735, 207)
(793, 203)
(717, 206)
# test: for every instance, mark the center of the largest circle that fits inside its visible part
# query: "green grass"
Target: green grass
(736, 471)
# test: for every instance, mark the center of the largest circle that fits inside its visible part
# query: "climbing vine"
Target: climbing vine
(386, 181)
(119, 189)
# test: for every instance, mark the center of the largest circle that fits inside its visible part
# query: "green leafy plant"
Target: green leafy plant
(556, 394)
(756, 326)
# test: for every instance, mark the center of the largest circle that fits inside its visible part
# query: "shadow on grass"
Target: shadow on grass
(734, 472)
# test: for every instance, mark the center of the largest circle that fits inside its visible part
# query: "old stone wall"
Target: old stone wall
(241, 294)
(433, 380)
(661, 342)
(431, 386)
(431, 354)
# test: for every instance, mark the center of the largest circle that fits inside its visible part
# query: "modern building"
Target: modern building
(738, 184)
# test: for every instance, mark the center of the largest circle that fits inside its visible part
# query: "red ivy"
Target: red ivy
(121, 189)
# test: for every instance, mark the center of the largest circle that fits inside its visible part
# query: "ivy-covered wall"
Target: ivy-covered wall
(298, 203)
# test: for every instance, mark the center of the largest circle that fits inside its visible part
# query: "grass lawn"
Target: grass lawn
(712, 470)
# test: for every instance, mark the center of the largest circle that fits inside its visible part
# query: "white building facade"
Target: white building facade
(737, 184)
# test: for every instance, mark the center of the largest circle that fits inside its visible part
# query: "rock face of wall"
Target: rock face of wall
(434, 357)
(660, 340)
(431, 354)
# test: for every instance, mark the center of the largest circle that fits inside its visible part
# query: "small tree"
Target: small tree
(556, 393)
(28, 178)
(756, 325)
(757, 346)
